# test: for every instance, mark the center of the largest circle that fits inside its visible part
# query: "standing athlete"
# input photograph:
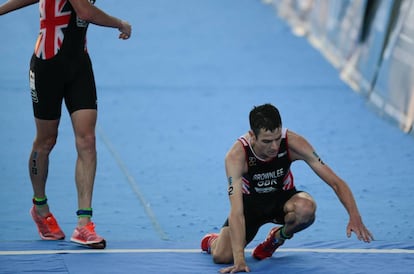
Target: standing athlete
(60, 69)
(261, 190)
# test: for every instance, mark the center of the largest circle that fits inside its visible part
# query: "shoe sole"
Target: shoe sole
(260, 258)
(99, 245)
(50, 238)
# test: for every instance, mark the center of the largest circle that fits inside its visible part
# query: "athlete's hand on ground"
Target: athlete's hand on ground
(360, 231)
(235, 269)
(125, 30)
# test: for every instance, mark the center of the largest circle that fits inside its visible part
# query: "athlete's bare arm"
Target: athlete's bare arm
(12, 5)
(90, 13)
(235, 165)
(301, 149)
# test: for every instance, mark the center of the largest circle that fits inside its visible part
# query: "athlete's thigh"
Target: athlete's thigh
(222, 246)
(253, 221)
(81, 91)
(47, 88)
(84, 122)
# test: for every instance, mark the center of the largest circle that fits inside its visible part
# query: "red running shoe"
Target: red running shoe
(47, 226)
(87, 236)
(206, 242)
(269, 246)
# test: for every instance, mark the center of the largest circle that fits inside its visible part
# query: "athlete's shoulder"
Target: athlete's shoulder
(298, 145)
(237, 152)
(292, 136)
(244, 139)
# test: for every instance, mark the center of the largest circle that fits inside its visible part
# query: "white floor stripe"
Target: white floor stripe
(297, 250)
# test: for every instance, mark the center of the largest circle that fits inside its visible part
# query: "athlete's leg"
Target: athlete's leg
(221, 249)
(46, 135)
(84, 122)
(300, 213)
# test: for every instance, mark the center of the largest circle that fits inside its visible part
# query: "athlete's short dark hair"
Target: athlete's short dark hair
(265, 117)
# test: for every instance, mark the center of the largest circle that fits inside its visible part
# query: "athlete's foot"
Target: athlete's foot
(86, 235)
(47, 226)
(269, 246)
(207, 240)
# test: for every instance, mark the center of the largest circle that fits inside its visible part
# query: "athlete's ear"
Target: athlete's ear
(252, 135)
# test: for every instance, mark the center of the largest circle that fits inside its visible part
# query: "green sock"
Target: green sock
(283, 234)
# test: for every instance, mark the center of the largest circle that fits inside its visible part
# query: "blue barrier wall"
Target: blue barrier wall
(370, 43)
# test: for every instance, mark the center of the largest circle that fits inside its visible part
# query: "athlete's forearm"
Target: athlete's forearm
(347, 199)
(341, 188)
(12, 5)
(237, 235)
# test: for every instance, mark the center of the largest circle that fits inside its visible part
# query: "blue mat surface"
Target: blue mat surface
(172, 100)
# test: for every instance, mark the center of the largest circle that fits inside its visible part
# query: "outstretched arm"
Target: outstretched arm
(12, 5)
(302, 150)
(90, 13)
(235, 161)
(346, 197)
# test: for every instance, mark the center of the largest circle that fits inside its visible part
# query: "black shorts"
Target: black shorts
(61, 78)
(262, 209)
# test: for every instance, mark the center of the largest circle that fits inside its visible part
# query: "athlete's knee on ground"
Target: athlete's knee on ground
(222, 257)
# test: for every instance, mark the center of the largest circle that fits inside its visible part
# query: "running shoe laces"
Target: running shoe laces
(47, 226)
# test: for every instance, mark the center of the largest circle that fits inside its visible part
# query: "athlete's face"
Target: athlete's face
(266, 144)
